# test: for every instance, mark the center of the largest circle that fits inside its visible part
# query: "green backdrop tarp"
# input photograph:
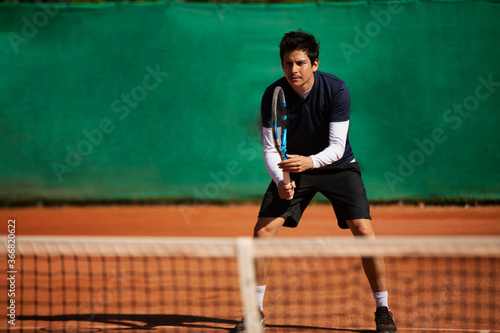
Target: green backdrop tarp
(161, 100)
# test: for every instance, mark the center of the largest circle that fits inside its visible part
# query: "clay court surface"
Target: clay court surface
(193, 312)
(238, 220)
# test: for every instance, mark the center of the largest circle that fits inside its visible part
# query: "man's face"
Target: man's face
(299, 71)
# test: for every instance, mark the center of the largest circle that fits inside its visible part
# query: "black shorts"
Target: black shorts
(341, 185)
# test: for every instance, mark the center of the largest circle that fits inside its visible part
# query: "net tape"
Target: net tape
(278, 247)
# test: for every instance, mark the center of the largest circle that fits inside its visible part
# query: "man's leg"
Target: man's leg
(374, 268)
(266, 227)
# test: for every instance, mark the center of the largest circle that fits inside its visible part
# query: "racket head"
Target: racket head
(279, 119)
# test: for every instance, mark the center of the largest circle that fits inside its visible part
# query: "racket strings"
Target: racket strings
(283, 123)
(280, 122)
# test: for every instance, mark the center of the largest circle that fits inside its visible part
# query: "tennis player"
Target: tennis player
(320, 160)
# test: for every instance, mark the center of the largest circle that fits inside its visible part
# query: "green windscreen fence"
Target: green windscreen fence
(162, 100)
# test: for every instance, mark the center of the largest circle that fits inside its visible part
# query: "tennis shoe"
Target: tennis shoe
(241, 325)
(385, 321)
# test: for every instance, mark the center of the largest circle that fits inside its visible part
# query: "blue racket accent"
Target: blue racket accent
(280, 122)
(283, 141)
(279, 117)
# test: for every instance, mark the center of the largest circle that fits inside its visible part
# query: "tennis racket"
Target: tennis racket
(279, 127)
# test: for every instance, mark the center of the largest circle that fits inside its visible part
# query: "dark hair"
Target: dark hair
(300, 40)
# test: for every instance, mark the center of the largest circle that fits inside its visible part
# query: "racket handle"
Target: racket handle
(286, 178)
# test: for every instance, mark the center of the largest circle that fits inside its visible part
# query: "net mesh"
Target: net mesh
(193, 285)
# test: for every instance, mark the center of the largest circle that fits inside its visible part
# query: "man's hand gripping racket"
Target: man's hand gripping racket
(280, 138)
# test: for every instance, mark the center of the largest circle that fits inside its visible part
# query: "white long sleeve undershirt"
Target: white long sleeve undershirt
(329, 155)
(271, 155)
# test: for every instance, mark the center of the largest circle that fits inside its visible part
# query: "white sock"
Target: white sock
(260, 296)
(381, 298)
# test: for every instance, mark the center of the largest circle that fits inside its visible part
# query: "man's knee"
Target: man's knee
(267, 227)
(361, 227)
(262, 233)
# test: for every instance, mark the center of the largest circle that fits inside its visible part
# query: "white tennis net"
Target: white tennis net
(208, 284)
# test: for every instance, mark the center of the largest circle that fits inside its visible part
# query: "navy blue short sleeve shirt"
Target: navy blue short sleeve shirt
(309, 119)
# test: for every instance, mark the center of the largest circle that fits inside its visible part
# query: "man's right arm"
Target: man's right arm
(271, 155)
